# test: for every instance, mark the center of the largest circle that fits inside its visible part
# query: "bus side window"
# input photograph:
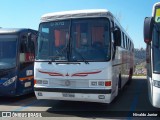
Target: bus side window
(23, 45)
(148, 60)
(31, 46)
(126, 42)
(27, 43)
(123, 40)
(27, 48)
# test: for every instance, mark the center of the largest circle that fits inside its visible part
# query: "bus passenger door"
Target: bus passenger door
(26, 63)
(116, 59)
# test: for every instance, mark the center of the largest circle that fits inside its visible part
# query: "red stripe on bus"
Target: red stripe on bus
(51, 73)
(86, 73)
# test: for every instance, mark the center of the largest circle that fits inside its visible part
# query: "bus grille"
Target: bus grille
(69, 83)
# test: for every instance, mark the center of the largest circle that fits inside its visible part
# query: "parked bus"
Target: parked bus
(17, 51)
(152, 40)
(82, 55)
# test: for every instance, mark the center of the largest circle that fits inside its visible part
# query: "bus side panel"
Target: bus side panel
(26, 80)
(125, 68)
(26, 62)
(8, 90)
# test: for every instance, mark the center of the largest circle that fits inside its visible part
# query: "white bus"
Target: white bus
(82, 55)
(152, 40)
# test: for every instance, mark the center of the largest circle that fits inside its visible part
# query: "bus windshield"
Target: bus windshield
(8, 48)
(75, 40)
(156, 50)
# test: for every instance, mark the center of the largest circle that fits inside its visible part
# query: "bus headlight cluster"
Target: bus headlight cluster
(99, 83)
(156, 83)
(42, 82)
(10, 81)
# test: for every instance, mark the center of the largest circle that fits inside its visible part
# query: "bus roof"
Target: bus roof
(13, 30)
(88, 13)
(75, 14)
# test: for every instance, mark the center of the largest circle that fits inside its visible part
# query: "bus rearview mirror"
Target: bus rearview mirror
(148, 28)
(117, 37)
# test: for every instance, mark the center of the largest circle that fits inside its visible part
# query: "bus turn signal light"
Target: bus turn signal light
(35, 81)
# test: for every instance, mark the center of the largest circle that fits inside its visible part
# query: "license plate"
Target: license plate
(27, 84)
(68, 95)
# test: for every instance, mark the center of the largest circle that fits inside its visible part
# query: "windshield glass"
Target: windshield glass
(156, 50)
(8, 50)
(74, 40)
(53, 40)
(90, 39)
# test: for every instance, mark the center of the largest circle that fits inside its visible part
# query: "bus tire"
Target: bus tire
(119, 83)
(130, 76)
(117, 91)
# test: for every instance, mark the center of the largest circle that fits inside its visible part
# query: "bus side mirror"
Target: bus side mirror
(148, 28)
(117, 37)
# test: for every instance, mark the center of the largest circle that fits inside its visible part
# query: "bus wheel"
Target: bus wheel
(130, 76)
(119, 83)
(118, 87)
(117, 90)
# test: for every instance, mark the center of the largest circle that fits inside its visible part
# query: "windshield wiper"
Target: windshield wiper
(69, 45)
(53, 58)
(58, 55)
(86, 62)
(61, 51)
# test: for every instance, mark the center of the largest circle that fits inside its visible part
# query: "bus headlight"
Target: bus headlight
(39, 82)
(156, 83)
(42, 82)
(10, 81)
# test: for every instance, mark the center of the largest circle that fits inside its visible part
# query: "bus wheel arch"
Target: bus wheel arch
(118, 86)
(119, 82)
(130, 76)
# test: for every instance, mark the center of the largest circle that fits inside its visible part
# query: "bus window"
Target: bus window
(91, 38)
(126, 42)
(27, 49)
(97, 35)
(8, 49)
(156, 49)
(43, 43)
(23, 46)
(31, 43)
(60, 37)
(123, 41)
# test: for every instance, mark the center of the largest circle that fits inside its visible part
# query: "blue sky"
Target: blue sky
(27, 13)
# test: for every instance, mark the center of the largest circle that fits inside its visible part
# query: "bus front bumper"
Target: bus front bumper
(156, 97)
(7, 91)
(87, 95)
